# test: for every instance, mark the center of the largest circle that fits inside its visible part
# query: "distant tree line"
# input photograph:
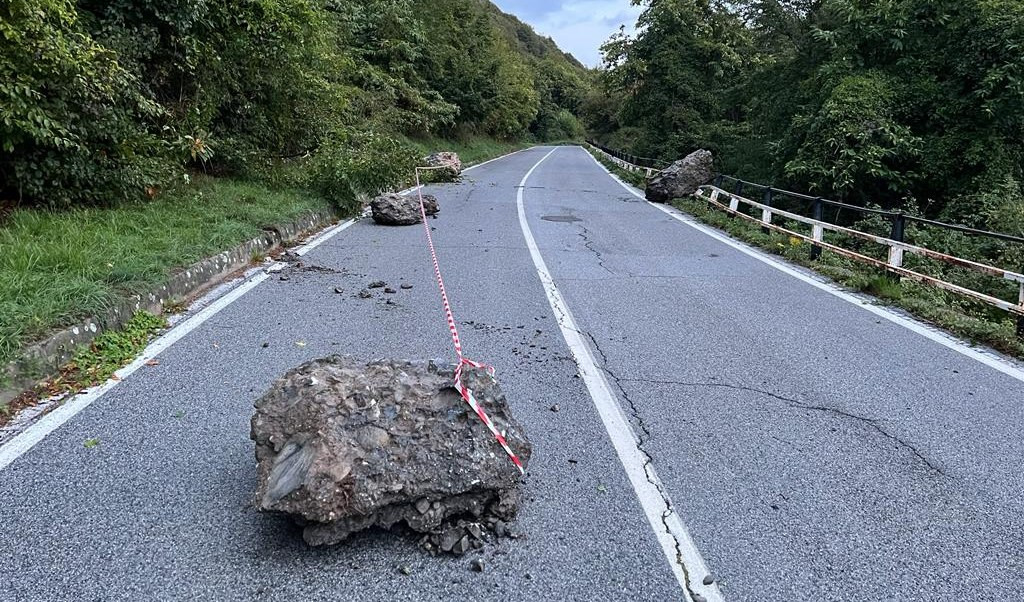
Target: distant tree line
(916, 104)
(106, 101)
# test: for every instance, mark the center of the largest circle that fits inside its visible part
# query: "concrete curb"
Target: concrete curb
(44, 358)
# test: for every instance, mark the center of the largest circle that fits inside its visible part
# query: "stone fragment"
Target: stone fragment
(378, 284)
(449, 161)
(343, 446)
(406, 286)
(365, 294)
(397, 210)
(681, 179)
(477, 564)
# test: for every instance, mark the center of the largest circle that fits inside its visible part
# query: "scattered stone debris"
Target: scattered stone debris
(449, 161)
(343, 446)
(405, 569)
(365, 294)
(285, 278)
(477, 564)
(378, 284)
(555, 408)
(390, 291)
(681, 179)
(406, 286)
(396, 210)
(338, 290)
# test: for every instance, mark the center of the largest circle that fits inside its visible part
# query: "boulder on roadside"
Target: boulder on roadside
(343, 446)
(449, 161)
(396, 210)
(682, 179)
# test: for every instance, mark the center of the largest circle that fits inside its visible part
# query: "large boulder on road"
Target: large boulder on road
(343, 446)
(449, 162)
(682, 179)
(397, 210)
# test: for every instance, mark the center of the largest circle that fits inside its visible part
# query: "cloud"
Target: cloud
(578, 26)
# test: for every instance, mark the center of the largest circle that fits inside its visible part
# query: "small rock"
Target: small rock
(285, 278)
(405, 569)
(699, 598)
(462, 547)
(450, 538)
(338, 290)
(406, 286)
(378, 284)
(365, 294)
(708, 580)
(276, 268)
(475, 530)
(500, 528)
(555, 408)
(265, 345)
(390, 291)
(477, 565)
(423, 506)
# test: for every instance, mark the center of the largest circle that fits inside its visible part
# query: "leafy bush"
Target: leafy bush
(73, 126)
(365, 163)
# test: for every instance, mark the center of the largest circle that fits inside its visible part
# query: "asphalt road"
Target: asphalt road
(814, 450)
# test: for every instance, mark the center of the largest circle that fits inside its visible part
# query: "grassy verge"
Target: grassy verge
(94, 364)
(58, 267)
(978, 323)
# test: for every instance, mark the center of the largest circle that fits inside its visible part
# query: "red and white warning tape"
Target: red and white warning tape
(466, 393)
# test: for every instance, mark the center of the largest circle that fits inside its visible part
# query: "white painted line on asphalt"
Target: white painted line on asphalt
(687, 564)
(942, 338)
(28, 439)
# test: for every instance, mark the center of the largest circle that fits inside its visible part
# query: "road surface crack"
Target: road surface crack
(796, 403)
(589, 244)
(642, 436)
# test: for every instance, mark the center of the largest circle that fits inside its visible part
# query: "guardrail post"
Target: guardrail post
(718, 181)
(899, 230)
(738, 189)
(1020, 319)
(766, 214)
(818, 233)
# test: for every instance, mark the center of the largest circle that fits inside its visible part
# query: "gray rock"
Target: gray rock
(709, 579)
(447, 160)
(397, 210)
(365, 294)
(477, 564)
(681, 179)
(343, 446)
(462, 547)
(406, 286)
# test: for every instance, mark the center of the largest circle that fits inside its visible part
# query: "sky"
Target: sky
(578, 26)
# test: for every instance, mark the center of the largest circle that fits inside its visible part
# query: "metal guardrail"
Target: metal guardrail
(897, 248)
(895, 243)
(633, 163)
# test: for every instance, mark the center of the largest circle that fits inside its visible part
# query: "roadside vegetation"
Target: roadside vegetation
(138, 137)
(973, 321)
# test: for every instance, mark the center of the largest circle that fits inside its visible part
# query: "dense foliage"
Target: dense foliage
(904, 103)
(102, 101)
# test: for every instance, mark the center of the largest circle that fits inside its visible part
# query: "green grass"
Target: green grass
(973, 321)
(59, 267)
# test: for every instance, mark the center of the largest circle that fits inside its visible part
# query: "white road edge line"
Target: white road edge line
(672, 534)
(25, 441)
(942, 338)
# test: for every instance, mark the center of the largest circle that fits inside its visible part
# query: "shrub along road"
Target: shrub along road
(815, 450)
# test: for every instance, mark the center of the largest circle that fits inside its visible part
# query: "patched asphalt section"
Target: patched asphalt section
(161, 508)
(815, 451)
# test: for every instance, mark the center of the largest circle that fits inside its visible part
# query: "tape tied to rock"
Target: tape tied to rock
(464, 391)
